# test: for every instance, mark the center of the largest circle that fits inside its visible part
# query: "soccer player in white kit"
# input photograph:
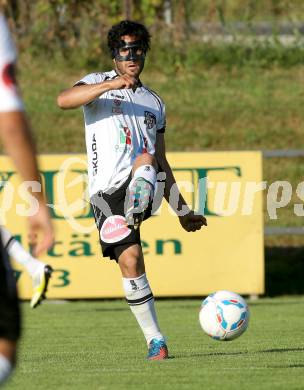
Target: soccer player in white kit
(17, 140)
(125, 125)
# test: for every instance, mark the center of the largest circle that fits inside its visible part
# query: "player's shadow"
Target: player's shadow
(274, 303)
(238, 353)
(103, 309)
(205, 354)
(111, 309)
(282, 350)
(288, 366)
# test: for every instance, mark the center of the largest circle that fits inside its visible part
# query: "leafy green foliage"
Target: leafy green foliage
(77, 29)
(235, 54)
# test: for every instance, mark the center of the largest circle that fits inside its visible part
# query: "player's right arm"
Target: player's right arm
(82, 93)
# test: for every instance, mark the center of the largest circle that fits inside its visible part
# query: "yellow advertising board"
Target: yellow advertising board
(228, 254)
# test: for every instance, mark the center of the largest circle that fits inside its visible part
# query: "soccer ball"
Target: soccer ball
(224, 315)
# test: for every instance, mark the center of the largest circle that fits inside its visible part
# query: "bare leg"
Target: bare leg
(131, 262)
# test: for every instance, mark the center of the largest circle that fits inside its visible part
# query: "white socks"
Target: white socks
(16, 250)
(5, 368)
(141, 301)
(147, 172)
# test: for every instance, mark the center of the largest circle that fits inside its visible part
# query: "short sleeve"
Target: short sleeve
(10, 99)
(92, 78)
(161, 124)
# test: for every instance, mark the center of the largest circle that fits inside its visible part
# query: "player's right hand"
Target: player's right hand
(41, 233)
(123, 82)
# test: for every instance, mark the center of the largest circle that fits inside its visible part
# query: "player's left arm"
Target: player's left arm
(189, 221)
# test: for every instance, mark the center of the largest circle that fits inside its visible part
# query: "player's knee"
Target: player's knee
(131, 262)
(131, 267)
(145, 159)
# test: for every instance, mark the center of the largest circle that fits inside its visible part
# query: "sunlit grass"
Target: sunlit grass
(98, 345)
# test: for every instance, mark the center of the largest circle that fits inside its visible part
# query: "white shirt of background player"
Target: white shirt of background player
(9, 96)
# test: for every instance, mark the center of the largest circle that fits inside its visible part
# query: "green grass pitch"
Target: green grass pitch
(97, 345)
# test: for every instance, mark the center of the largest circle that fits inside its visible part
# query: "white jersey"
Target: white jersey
(120, 125)
(9, 96)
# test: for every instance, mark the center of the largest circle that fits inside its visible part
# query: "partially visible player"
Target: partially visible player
(16, 137)
(40, 272)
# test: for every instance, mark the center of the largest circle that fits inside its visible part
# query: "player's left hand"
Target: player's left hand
(192, 222)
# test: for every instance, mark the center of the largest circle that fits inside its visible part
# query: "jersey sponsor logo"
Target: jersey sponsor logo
(117, 110)
(116, 107)
(127, 135)
(150, 120)
(94, 155)
(125, 140)
(114, 229)
(145, 147)
(117, 96)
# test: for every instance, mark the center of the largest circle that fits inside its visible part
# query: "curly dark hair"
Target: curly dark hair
(127, 27)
